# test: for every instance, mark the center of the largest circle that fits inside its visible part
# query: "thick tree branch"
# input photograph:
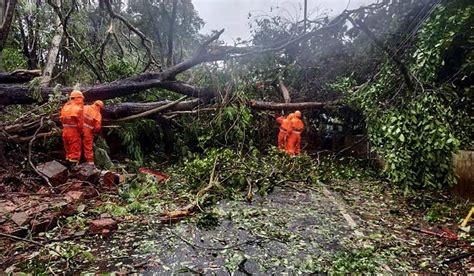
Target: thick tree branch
(19, 76)
(121, 110)
(16, 94)
(151, 111)
(289, 106)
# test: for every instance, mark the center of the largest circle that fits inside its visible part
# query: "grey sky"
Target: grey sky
(233, 14)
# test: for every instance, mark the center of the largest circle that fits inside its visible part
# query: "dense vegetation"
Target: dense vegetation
(396, 75)
(400, 70)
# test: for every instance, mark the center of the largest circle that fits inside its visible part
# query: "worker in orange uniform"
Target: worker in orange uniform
(285, 129)
(72, 120)
(293, 145)
(92, 125)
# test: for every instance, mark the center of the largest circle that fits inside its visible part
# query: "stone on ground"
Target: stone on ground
(56, 173)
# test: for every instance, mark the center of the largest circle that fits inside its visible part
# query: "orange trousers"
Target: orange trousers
(88, 141)
(282, 139)
(72, 143)
(293, 145)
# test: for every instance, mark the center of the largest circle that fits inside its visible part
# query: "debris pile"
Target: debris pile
(31, 211)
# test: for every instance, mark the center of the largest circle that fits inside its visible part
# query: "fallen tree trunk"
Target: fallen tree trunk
(20, 94)
(288, 106)
(19, 76)
(121, 110)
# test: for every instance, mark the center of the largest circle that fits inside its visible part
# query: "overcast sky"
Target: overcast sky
(233, 14)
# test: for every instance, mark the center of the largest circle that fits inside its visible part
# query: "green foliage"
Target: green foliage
(235, 171)
(138, 136)
(416, 132)
(436, 36)
(438, 212)
(417, 143)
(361, 261)
(331, 168)
(13, 59)
(230, 126)
(119, 69)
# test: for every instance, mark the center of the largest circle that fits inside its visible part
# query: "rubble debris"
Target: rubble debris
(110, 179)
(20, 218)
(45, 222)
(87, 172)
(87, 189)
(103, 226)
(75, 196)
(54, 171)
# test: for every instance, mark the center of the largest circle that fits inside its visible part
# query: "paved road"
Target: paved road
(290, 230)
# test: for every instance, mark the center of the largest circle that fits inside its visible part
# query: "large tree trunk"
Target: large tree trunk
(19, 94)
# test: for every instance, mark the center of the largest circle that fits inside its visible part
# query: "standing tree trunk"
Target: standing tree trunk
(170, 60)
(53, 50)
(7, 10)
(167, 132)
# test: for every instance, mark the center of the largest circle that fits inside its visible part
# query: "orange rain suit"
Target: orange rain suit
(293, 144)
(72, 119)
(92, 125)
(285, 129)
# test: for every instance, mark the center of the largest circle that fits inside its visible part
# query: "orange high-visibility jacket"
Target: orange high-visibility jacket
(293, 144)
(284, 123)
(296, 124)
(71, 115)
(92, 124)
(72, 119)
(92, 118)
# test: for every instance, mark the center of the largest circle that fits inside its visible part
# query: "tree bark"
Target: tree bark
(19, 76)
(167, 134)
(170, 59)
(127, 109)
(6, 22)
(20, 94)
(53, 50)
(288, 106)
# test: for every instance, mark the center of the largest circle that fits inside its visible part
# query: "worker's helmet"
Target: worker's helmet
(99, 103)
(297, 114)
(76, 94)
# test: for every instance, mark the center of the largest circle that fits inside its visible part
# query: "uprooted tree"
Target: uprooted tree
(386, 66)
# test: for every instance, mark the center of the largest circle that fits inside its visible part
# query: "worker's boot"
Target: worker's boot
(71, 164)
